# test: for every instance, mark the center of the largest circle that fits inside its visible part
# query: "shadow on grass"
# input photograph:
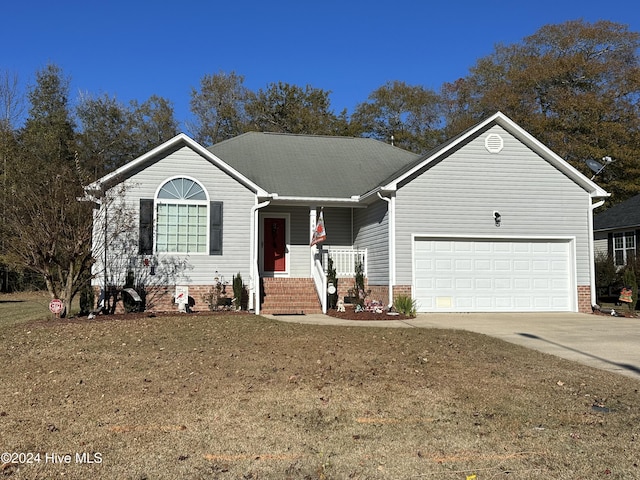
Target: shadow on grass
(626, 366)
(11, 301)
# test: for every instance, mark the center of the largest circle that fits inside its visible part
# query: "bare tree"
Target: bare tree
(117, 261)
(219, 107)
(11, 110)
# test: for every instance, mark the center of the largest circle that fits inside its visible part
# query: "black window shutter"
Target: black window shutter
(610, 244)
(637, 243)
(145, 238)
(215, 228)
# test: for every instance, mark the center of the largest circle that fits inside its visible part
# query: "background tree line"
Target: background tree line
(575, 86)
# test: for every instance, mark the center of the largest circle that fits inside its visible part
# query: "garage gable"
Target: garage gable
(494, 144)
(494, 222)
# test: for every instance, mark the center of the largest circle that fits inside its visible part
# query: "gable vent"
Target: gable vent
(494, 143)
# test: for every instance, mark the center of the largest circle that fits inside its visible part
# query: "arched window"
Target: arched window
(182, 215)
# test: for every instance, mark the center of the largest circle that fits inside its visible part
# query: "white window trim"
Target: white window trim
(623, 235)
(166, 201)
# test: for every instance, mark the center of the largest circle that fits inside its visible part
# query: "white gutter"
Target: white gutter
(392, 244)
(592, 255)
(352, 202)
(254, 296)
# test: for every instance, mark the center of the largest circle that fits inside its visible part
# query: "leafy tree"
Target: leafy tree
(49, 133)
(113, 133)
(575, 86)
(151, 123)
(286, 108)
(407, 114)
(105, 141)
(219, 107)
(49, 228)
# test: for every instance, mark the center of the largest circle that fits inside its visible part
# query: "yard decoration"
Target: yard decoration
(56, 306)
(626, 295)
(332, 279)
(630, 283)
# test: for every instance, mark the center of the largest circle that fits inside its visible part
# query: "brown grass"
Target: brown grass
(228, 397)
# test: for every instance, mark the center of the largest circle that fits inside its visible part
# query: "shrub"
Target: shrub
(405, 305)
(238, 291)
(606, 271)
(358, 293)
(87, 299)
(214, 297)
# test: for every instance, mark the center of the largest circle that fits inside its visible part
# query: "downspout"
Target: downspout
(392, 244)
(592, 255)
(255, 271)
(106, 233)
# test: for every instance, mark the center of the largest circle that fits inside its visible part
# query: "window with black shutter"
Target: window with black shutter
(180, 220)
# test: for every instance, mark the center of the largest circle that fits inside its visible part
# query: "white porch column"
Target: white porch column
(254, 295)
(312, 227)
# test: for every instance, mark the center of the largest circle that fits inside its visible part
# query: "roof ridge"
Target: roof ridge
(312, 135)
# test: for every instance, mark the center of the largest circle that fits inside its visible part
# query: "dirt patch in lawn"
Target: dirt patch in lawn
(243, 397)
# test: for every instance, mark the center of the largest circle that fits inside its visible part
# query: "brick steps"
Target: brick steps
(289, 296)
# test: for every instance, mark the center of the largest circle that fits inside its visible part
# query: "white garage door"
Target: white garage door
(493, 275)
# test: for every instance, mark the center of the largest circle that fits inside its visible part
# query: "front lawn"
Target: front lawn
(239, 396)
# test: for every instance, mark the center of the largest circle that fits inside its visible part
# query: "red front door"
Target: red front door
(275, 247)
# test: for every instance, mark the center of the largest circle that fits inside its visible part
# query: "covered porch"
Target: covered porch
(291, 272)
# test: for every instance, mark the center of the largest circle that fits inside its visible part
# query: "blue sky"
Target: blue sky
(134, 49)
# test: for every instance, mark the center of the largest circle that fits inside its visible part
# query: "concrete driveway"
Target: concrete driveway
(608, 343)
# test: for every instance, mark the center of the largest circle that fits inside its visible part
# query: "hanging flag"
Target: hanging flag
(319, 233)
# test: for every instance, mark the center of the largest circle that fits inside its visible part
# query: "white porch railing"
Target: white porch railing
(320, 280)
(345, 260)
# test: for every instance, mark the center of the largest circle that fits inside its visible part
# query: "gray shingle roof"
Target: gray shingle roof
(623, 215)
(310, 165)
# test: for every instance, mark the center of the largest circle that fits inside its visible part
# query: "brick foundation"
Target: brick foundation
(584, 299)
(161, 298)
(289, 295)
(379, 293)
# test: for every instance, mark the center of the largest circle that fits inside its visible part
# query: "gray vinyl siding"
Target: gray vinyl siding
(337, 223)
(371, 231)
(199, 269)
(601, 243)
(457, 197)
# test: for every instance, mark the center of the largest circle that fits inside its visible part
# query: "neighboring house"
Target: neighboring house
(490, 221)
(617, 231)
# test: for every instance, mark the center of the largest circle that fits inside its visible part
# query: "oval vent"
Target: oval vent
(494, 143)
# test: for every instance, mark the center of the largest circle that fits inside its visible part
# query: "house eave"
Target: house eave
(618, 228)
(101, 185)
(372, 195)
(292, 200)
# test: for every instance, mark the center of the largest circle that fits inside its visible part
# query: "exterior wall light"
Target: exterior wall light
(497, 218)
